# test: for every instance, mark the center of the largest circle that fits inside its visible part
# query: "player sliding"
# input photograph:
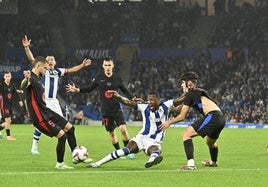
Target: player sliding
(154, 112)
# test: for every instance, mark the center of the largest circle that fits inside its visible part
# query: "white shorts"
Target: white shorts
(54, 104)
(144, 142)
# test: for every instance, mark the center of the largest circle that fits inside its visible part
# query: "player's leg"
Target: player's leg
(110, 126)
(2, 126)
(124, 133)
(153, 149)
(60, 150)
(131, 148)
(71, 139)
(212, 132)
(7, 127)
(213, 150)
(189, 147)
(69, 130)
(120, 121)
(36, 137)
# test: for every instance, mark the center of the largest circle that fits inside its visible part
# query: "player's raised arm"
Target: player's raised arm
(85, 63)
(26, 44)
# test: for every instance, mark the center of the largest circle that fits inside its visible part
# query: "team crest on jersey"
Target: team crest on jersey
(152, 118)
(109, 84)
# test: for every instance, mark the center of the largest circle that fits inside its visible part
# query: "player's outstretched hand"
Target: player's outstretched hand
(71, 88)
(86, 62)
(26, 42)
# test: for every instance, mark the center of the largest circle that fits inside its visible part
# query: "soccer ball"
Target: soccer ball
(80, 153)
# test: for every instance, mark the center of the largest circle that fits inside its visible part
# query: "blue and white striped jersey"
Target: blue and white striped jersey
(152, 120)
(51, 82)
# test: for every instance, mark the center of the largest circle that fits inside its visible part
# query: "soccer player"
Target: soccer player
(209, 126)
(154, 112)
(45, 120)
(111, 109)
(50, 80)
(8, 94)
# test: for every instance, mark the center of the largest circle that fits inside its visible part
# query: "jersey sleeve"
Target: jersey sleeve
(91, 87)
(62, 71)
(188, 99)
(169, 103)
(141, 106)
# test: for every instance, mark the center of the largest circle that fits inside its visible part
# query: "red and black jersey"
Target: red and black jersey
(8, 95)
(35, 98)
(109, 105)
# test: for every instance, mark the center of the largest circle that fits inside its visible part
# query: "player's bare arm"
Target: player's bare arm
(85, 63)
(26, 44)
(123, 100)
(180, 117)
(179, 100)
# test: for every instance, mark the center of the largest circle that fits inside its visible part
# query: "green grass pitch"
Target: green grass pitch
(243, 161)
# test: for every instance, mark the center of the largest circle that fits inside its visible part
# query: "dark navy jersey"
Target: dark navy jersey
(35, 99)
(8, 95)
(109, 106)
(193, 99)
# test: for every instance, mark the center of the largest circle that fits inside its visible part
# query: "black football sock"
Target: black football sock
(8, 132)
(125, 142)
(1, 128)
(116, 146)
(189, 149)
(60, 149)
(71, 138)
(214, 154)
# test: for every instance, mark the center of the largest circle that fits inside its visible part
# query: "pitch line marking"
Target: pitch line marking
(127, 171)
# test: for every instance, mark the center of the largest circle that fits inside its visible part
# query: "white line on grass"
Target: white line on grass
(127, 171)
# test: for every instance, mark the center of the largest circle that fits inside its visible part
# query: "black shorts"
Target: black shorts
(111, 122)
(6, 113)
(210, 125)
(52, 126)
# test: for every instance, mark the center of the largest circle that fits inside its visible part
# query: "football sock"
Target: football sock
(1, 127)
(116, 145)
(71, 138)
(214, 153)
(36, 138)
(8, 132)
(114, 155)
(189, 149)
(60, 149)
(125, 142)
(154, 155)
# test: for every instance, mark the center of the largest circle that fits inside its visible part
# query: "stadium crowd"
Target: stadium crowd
(240, 88)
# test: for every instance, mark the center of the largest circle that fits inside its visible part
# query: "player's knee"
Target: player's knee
(71, 130)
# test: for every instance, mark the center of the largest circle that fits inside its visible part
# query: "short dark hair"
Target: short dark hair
(154, 93)
(39, 59)
(191, 75)
(108, 58)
